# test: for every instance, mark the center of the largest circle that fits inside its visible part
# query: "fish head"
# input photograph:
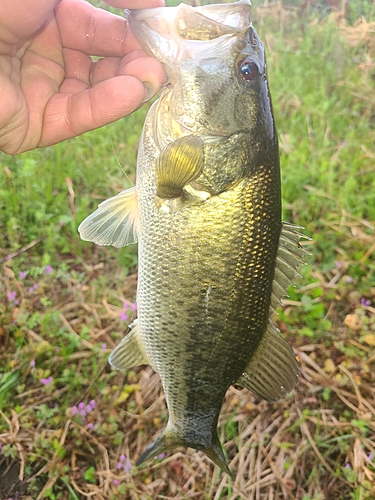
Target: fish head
(216, 68)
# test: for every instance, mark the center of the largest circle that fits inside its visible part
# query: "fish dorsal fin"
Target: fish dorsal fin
(130, 351)
(178, 164)
(289, 257)
(115, 222)
(273, 370)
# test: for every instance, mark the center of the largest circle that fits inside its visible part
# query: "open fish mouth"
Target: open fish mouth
(174, 33)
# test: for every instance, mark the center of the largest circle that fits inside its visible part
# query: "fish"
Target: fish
(214, 257)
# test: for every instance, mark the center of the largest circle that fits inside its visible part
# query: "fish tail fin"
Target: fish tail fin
(170, 439)
(216, 454)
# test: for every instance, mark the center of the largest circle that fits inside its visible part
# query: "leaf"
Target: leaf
(353, 321)
(90, 475)
(329, 366)
(369, 339)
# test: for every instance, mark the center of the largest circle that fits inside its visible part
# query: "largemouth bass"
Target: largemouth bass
(214, 256)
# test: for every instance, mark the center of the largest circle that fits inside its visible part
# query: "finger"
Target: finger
(93, 31)
(108, 67)
(78, 67)
(135, 4)
(19, 22)
(146, 69)
(69, 115)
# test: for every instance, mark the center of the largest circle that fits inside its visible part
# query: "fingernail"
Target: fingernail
(168, 73)
(150, 92)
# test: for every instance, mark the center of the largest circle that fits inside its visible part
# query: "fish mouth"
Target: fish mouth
(176, 33)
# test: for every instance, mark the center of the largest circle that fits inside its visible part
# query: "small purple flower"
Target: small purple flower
(22, 274)
(1, 447)
(348, 466)
(81, 406)
(11, 296)
(339, 264)
(33, 287)
(349, 279)
(82, 413)
(74, 410)
(88, 409)
(365, 302)
(46, 381)
(134, 306)
(124, 464)
(104, 347)
(48, 270)
(123, 316)
(116, 482)
(369, 455)
(90, 426)
(162, 455)
(92, 404)
(32, 363)
(16, 302)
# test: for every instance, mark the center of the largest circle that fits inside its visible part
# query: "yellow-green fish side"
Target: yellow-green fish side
(205, 280)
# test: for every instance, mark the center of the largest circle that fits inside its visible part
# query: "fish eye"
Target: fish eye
(248, 69)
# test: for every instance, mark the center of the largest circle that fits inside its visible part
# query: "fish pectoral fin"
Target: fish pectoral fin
(273, 370)
(130, 351)
(178, 164)
(290, 256)
(115, 222)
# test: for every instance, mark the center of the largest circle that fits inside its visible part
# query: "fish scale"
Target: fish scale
(214, 257)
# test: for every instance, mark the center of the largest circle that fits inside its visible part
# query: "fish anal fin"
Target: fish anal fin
(130, 351)
(273, 370)
(115, 222)
(290, 256)
(178, 164)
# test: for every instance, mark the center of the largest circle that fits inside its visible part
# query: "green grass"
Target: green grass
(62, 321)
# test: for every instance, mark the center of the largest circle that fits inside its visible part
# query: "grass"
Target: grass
(64, 303)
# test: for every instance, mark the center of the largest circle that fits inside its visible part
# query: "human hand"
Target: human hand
(50, 88)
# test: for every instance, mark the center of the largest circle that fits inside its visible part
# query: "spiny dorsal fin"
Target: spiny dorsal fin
(273, 370)
(115, 222)
(177, 165)
(289, 257)
(130, 351)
